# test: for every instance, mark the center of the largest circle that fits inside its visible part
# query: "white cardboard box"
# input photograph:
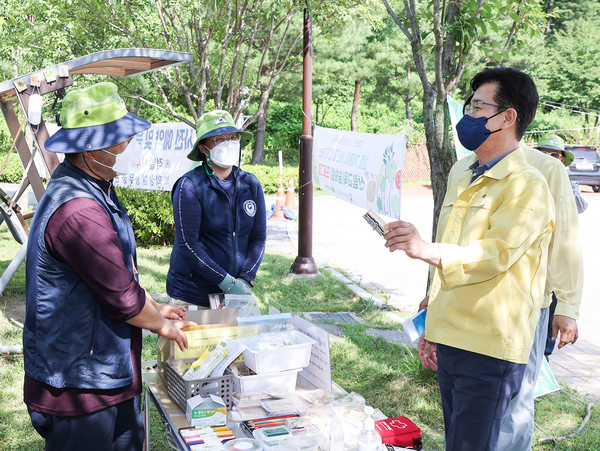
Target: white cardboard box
(208, 411)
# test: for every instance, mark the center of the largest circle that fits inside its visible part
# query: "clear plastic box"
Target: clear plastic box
(278, 351)
(265, 324)
(282, 382)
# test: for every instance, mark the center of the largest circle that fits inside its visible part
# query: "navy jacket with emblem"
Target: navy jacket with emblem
(214, 237)
(67, 340)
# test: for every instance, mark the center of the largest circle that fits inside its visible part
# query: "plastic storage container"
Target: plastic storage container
(265, 353)
(283, 382)
(181, 390)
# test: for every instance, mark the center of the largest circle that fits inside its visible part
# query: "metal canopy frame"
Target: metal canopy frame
(116, 63)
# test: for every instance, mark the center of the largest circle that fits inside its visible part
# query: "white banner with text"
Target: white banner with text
(163, 159)
(361, 168)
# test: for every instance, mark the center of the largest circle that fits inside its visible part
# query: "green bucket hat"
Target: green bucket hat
(554, 142)
(94, 118)
(217, 122)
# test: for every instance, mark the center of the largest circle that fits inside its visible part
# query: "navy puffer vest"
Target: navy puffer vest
(67, 341)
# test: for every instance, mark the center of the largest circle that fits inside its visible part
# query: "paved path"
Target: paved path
(342, 239)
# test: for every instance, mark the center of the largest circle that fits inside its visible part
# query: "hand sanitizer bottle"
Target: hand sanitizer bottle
(336, 434)
(369, 439)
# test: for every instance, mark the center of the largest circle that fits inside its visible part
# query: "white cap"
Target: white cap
(369, 424)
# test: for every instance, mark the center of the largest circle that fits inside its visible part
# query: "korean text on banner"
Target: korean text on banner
(163, 158)
(456, 113)
(361, 168)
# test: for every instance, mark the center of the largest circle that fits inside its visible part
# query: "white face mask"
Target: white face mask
(225, 154)
(126, 161)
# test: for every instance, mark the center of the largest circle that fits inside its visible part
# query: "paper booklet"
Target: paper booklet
(214, 361)
(415, 325)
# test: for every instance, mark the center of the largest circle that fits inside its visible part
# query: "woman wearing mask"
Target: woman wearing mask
(220, 220)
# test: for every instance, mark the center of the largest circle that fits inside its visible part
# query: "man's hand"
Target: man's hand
(169, 311)
(402, 235)
(172, 330)
(568, 330)
(428, 353)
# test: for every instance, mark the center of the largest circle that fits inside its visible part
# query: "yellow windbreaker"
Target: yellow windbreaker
(565, 267)
(493, 237)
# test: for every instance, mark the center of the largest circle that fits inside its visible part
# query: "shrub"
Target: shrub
(282, 132)
(268, 174)
(13, 171)
(151, 215)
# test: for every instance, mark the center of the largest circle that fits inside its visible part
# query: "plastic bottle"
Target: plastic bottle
(336, 434)
(369, 439)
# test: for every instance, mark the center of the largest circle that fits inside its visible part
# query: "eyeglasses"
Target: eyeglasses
(473, 106)
(558, 155)
(221, 139)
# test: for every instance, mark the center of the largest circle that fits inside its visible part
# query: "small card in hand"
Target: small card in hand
(375, 221)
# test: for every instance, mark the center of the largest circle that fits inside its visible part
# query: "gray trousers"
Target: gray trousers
(516, 432)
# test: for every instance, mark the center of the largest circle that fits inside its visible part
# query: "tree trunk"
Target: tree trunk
(261, 125)
(408, 95)
(441, 154)
(355, 105)
(549, 19)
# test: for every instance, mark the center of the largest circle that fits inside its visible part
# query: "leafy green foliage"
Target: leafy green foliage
(283, 131)
(151, 215)
(13, 171)
(268, 175)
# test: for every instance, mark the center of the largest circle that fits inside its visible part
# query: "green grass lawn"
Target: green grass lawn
(389, 376)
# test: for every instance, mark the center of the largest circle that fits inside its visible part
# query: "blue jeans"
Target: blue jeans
(516, 432)
(118, 428)
(475, 391)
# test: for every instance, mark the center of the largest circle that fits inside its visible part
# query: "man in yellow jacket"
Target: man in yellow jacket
(564, 287)
(490, 257)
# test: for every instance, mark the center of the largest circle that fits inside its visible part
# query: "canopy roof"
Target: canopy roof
(118, 62)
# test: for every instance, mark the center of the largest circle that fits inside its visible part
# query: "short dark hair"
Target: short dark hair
(72, 157)
(515, 90)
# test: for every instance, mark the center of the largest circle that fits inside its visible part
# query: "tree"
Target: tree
(563, 12)
(568, 73)
(239, 48)
(454, 26)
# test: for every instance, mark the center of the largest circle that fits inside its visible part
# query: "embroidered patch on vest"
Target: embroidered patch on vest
(250, 208)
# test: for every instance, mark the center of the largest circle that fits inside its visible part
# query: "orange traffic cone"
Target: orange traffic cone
(290, 195)
(278, 213)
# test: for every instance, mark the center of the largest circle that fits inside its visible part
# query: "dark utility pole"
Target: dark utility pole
(305, 263)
